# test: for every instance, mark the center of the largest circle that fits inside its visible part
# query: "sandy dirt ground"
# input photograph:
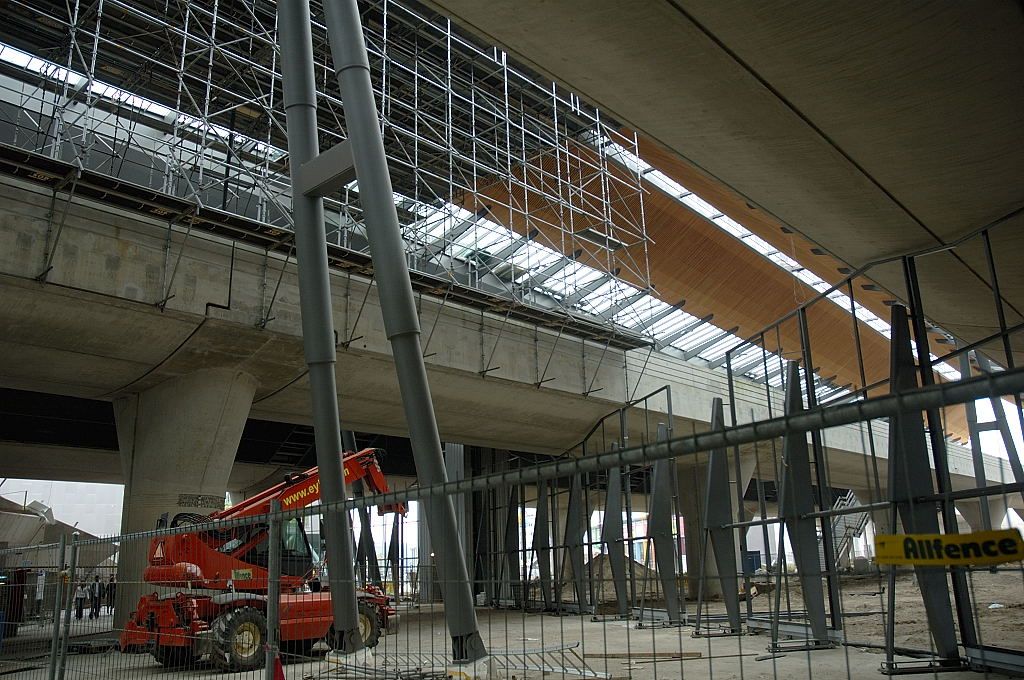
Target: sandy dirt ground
(865, 599)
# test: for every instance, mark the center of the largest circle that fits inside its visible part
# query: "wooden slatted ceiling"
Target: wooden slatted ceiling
(691, 259)
(805, 252)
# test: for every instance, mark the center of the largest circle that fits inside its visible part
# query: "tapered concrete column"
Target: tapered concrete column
(178, 441)
(691, 505)
(971, 510)
(692, 489)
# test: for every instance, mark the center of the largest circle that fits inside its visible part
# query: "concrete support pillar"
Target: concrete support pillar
(178, 442)
(692, 491)
(972, 512)
(691, 505)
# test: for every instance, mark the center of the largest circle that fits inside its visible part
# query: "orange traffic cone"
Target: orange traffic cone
(278, 669)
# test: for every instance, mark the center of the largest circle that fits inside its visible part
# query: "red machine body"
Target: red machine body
(224, 576)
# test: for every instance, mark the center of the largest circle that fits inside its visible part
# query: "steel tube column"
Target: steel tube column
(296, 42)
(400, 319)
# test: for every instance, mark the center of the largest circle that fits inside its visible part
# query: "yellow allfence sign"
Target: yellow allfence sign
(938, 550)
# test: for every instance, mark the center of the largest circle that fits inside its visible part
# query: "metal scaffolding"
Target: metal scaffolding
(500, 182)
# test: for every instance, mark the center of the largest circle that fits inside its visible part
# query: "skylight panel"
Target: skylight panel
(666, 183)
(731, 226)
(670, 324)
(640, 311)
(697, 336)
(718, 350)
(760, 245)
(701, 206)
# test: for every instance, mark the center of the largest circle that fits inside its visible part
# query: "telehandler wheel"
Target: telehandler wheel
(239, 636)
(174, 657)
(369, 625)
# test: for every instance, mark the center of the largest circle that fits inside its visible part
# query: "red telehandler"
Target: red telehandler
(222, 612)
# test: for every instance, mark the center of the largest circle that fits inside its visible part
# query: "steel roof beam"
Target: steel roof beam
(713, 340)
(437, 246)
(622, 304)
(672, 337)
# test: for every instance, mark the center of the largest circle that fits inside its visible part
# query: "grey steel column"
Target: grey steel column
(718, 514)
(937, 439)
(796, 499)
(909, 478)
(824, 495)
(542, 544)
(424, 561)
(513, 576)
(660, 520)
(611, 535)
(400, 319)
(977, 456)
(51, 667)
(455, 466)
(296, 43)
(368, 548)
(573, 540)
(394, 562)
(273, 588)
(1002, 425)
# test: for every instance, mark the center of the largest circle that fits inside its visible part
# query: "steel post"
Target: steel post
(68, 602)
(611, 535)
(273, 588)
(542, 544)
(909, 479)
(296, 42)
(717, 515)
(51, 667)
(796, 499)
(661, 519)
(401, 321)
(937, 439)
(573, 540)
(824, 495)
(512, 575)
(977, 455)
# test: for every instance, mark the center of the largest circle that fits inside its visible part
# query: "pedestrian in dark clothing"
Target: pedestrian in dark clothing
(111, 593)
(95, 597)
(81, 592)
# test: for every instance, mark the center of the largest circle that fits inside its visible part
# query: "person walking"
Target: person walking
(81, 592)
(111, 593)
(95, 597)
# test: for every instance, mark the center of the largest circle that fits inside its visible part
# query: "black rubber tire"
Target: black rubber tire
(174, 657)
(369, 625)
(239, 636)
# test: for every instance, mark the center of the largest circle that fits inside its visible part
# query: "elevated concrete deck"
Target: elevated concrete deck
(95, 330)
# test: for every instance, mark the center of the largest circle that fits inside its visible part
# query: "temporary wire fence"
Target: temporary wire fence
(570, 579)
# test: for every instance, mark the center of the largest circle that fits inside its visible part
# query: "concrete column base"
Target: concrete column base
(971, 511)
